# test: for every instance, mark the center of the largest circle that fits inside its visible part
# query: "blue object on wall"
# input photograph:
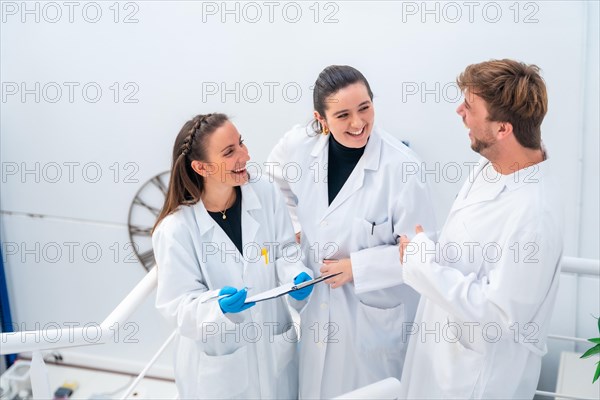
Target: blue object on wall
(5, 318)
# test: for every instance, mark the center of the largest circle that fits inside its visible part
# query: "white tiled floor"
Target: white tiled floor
(95, 384)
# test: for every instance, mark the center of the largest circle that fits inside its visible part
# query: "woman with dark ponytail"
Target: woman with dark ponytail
(360, 189)
(218, 236)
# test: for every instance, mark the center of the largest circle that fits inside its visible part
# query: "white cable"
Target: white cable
(148, 366)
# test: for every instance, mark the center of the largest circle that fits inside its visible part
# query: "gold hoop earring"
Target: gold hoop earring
(324, 130)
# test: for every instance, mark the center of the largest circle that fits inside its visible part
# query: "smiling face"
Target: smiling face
(226, 158)
(482, 131)
(349, 115)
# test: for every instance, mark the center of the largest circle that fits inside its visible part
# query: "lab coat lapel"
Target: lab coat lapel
(368, 161)
(212, 236)
(465, 198)
(318, 174)
(250, 225)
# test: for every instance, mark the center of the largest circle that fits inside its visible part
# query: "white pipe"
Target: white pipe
(22, 341)
(148, 366)
(568, 338)
(131, 302)
(580, 266)
(560, 395)
(18, 342)
(388, 388)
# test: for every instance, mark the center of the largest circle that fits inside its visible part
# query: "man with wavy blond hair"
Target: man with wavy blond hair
(489, 284)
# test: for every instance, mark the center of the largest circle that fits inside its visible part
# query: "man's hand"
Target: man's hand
(333, 266)
(404, 241)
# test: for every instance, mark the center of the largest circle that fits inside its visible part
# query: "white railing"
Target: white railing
(561, 396)
(18, 342)
(580, 266)
(25, 341)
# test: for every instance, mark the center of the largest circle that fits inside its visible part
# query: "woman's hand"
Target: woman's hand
(334, 266)
(303, 293)
(404, 242)
(235, 301)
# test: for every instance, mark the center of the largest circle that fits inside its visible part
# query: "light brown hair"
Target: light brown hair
(514, 92)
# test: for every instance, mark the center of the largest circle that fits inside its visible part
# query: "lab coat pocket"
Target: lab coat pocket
(215, 372)
(284, 346)
(457, 369)
(372, 233)
(379, 330)
(285, 365)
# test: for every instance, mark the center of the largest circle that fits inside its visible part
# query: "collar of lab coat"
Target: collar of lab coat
(369, 161)
(370, 158)
(528, 175)
(508, 182)
(249, 225)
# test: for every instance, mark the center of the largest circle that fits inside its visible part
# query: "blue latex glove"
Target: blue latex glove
(235, 302)
(304, 292)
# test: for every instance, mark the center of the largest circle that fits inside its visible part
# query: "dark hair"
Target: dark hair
(185, 184)
(513, 92)
(331, 80)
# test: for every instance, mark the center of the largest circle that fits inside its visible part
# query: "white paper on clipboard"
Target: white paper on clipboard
(271, 294)
(285, 289)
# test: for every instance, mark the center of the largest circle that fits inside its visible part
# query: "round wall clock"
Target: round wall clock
(143, 212)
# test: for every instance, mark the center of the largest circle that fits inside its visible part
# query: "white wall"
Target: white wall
(177, 51)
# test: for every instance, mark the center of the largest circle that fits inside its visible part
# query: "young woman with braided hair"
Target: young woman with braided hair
(208, 242)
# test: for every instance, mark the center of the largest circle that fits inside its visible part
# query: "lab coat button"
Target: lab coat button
(324, 223)
(323, 305)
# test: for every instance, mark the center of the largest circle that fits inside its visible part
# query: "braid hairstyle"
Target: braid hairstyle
(186, 146)
(185, 184)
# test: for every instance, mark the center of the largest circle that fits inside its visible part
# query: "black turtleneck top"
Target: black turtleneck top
(342, 161)
(232, 225)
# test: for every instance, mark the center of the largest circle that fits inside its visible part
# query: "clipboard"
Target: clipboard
(314, 281)
(285, 289)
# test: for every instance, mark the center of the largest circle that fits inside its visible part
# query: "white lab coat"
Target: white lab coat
(243, 355)
(352, 335)
(483, 318)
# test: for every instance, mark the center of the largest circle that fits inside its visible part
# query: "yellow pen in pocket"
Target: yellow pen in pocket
(265, 254)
